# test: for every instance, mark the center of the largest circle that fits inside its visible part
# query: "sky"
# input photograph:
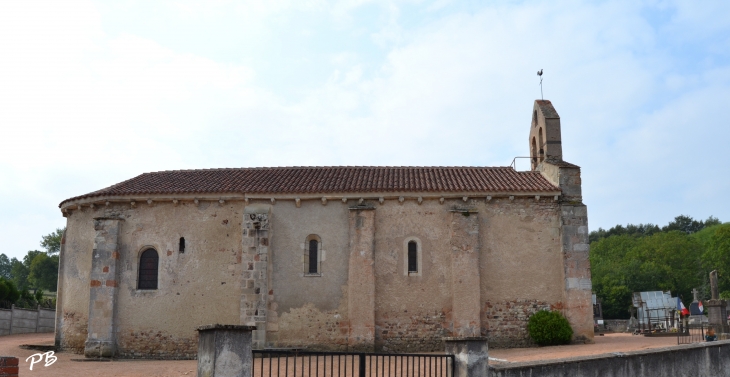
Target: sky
(94, 93)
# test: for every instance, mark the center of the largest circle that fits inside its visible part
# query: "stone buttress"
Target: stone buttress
(102, 329)
(361, 279)
(466, 295)
(256, 275)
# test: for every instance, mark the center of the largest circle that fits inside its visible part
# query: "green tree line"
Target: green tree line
(677, 257)
(38, 271)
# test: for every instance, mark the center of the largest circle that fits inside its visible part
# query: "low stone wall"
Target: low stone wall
(617, 325)
(711, 359)
(20, 321)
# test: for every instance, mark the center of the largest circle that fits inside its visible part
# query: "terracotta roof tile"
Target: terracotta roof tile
(334, 179)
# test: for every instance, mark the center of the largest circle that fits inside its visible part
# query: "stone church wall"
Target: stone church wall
(197, 287)
(309, 311)
(412, 313)
(521, 265)
(518, 269)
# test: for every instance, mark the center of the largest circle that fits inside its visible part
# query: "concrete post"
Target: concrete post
(225, 351)
(361, 279)
(102, 331)
(471, 356)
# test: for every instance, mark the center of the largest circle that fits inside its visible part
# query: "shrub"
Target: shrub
(548, 328)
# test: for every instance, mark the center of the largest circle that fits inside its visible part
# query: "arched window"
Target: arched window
(541, 145)
(313, 256)
(182, 244)
(412, 257)
(148, 262)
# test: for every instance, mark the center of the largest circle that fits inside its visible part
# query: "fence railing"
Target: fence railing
(280, 363)
(691, 333)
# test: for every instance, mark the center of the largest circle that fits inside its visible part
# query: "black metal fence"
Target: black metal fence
(691, 333)
(277, 363)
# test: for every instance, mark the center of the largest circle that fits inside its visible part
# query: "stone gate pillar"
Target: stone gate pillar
(101, 340)
(465, 285)
(361, 279)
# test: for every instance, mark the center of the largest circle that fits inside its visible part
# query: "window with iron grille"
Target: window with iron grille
(182, 244)
(148, 262)
(313, 256)
(412, 257)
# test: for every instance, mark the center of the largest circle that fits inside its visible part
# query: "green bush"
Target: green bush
(548, 328)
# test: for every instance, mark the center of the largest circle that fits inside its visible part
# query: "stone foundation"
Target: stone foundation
(419, 333)
(505, 323)
(150, 344)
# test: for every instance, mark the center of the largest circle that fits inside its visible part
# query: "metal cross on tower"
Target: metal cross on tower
(539, 73)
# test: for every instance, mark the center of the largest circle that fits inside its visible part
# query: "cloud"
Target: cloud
(95, 93)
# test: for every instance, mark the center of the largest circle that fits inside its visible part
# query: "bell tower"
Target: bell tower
(545, 142)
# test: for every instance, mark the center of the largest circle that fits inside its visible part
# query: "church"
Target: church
(386, 259)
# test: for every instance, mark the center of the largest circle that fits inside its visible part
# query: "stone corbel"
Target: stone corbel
(149, 202)
(489, 198)
(298, 202)
(511, 198)
(420, 200)
(324, 201)
(381, 200)
(441, 200)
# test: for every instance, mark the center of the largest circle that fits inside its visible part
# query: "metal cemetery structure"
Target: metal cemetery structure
(655, 311)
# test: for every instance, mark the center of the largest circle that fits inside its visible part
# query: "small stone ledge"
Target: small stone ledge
(226, 327)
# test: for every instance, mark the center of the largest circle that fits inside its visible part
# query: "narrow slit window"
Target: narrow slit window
(313, 257)
(182, 244)
(148, 262)
(412, 256)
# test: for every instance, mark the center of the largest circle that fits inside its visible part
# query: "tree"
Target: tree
(9, 293)
(43, 272)
(5, 266)
(19, 273)
(717, 255)
(689, 225)
(52, 242)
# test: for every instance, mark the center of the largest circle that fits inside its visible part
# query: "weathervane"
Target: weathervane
(539, 73)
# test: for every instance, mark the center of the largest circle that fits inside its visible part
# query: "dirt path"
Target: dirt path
(66, 367)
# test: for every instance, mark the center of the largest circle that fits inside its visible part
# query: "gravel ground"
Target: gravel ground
(65, 366)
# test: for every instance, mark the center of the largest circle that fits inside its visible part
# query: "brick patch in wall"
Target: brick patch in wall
(505, 323)
(74, 332)
(151, 344)
(417, 333)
